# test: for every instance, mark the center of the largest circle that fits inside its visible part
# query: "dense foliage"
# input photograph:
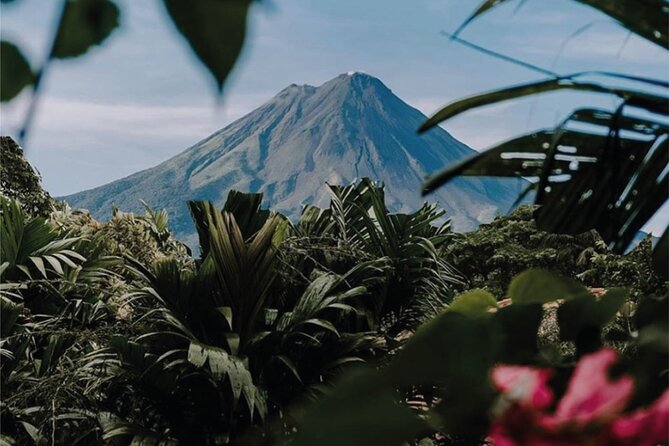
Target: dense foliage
(498, 251)
(112, 332)
(18, 180)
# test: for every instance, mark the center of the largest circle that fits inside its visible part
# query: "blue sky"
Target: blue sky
(141, 97)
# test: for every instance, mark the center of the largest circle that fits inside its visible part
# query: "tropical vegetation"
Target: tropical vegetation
(115, 333)
(353, 325)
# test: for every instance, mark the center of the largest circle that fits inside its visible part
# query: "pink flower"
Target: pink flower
(648, 426)
(591, 411)
(591, 396)
(524, 385)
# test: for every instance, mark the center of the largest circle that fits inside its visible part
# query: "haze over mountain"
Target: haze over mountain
(350, 127)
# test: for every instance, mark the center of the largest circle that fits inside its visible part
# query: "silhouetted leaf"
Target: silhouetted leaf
(585, 312)
(517, 332)
(644, 100)
(598, 170)
(361, 411)
(482, 8)
(646, 18)
(15, 71)
(660, 255)
(246, 209)
(215, 30)
(454, 351)
(84, 23)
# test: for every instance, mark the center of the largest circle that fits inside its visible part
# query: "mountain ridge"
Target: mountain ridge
(350, 127)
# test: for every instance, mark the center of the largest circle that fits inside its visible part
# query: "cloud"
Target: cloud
(78, 144)
(164, 122)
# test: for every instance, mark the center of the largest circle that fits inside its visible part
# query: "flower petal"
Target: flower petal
(591, 395)
(525, 385)
(648, 426)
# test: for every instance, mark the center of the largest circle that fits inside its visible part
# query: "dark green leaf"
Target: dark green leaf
(647, 18)
(361, 411)
(214, 29)
(246, 209)
(525, 156)
(226, 312)
(660, 255)
(654, 337)
(517, 332)
(15, 71)
(540, 286)
(84, 23)
(587, 312)
(474, 303)
(321, 323)
(455, 351)
(656, 103)
(57, 345)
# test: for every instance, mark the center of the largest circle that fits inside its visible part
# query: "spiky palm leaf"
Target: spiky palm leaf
(33, 246)
(599, 169)
(646, 18)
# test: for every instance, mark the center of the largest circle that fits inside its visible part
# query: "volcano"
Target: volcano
(351, 127)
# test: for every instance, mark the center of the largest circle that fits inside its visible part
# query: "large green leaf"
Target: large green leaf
(244, 269)
(474, 303)
(540, 286)
(361, 411)
(456, 351)
(215, 30)
(517, 332)
(651, 320)
(84, 23)
(224, 366)
(586, 312)
(247, 212)
(453, 351)
(15, 71)
(34, 244)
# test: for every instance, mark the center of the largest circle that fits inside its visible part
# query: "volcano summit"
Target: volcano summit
(350, 127)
